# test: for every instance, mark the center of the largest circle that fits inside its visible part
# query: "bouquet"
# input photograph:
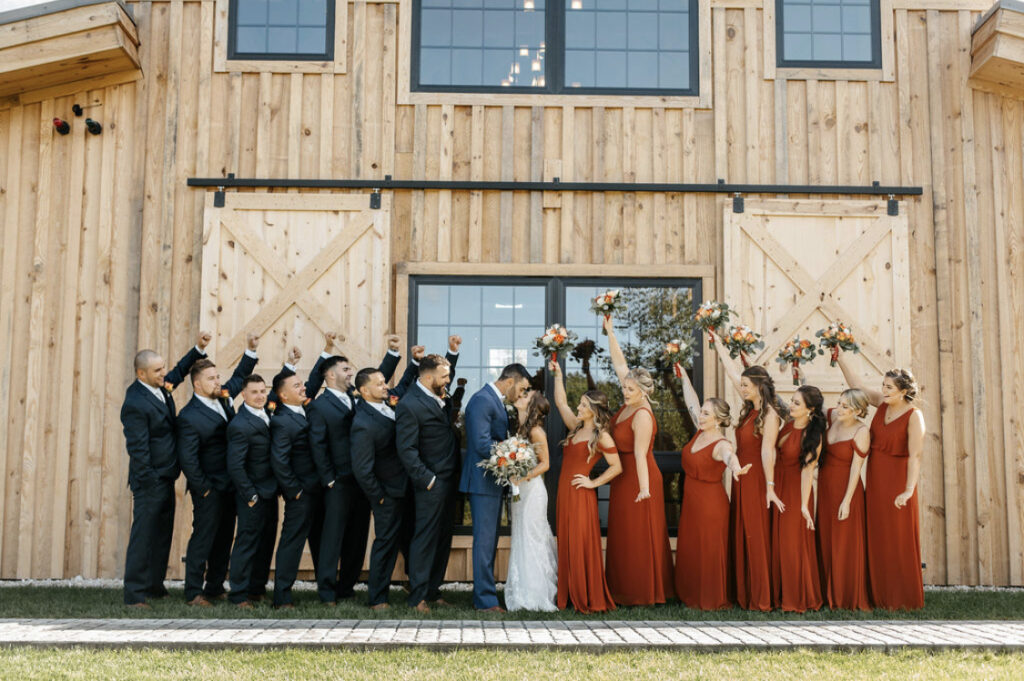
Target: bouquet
(796, 352)
(606, 303)
(556, 339)
(741, 341)
(711, 317)
(677, 355)
(510, 460)
(837, 337)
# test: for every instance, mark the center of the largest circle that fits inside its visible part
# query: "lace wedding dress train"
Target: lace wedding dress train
(533, 558)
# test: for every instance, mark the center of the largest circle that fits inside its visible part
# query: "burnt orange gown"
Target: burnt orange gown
(702, 547)
(639, 556)
(749, 536)
(841, 543)
(795, 583)
(893, 534)
(581, 579)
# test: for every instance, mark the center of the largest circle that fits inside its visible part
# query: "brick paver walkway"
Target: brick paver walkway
(594, 635)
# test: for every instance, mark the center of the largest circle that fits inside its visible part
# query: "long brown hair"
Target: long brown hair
(760, 377)
(602, 420)
(537, 408)
(813, 436)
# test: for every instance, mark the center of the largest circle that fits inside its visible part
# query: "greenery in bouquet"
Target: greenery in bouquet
(741, 341)
(711, 317)
(510, 461)
(678, 354)
(607, 303)
(837, 336)
(796, 352)
(555, 339)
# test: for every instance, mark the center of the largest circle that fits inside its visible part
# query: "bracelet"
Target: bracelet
(771, 484)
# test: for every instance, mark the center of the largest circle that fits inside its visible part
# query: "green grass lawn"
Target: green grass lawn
(482, 665)
(86, 602)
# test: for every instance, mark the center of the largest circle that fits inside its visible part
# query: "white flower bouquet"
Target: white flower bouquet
(511, 459)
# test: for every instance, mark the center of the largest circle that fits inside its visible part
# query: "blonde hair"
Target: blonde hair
(723, 413)
(858, 401)
(644, 381)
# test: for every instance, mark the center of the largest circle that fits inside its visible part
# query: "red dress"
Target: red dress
(639, 556)
(795, 583)
(893, 534)
(841, 543)
(580, 565)
(748, 524)
(702, 549)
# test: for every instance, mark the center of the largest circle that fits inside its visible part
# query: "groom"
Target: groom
(487, 423)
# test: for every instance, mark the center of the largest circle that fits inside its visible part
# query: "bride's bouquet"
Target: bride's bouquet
(510, 460)
(556, 339)
(606, 303)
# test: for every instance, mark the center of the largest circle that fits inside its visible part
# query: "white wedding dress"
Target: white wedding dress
(533, 558)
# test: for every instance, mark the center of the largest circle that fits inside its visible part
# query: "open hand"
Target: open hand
(741, 471)
(773, 498)
(580, 481)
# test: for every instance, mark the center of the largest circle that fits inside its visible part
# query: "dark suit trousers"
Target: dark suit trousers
(388, 527)
(149, 544)
(486, 510)
(345, 531)
(295, 530)
(209, 548)
(250, 559)
(431, 540)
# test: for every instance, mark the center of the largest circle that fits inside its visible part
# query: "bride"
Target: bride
(533, 559)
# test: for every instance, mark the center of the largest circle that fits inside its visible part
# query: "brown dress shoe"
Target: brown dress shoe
(496, 608)
(140, 606)
(422, 607)
(246, 605)
(200, 601)
(218, 597)
(284, 606)
(380, 606)
(440, 602)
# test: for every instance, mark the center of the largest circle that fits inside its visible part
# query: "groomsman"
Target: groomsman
(382, 477)
(346, 514)
(202, 454)
(428, 447)
(292, 462)
(255, 494)
(487, 423)
(148, 418)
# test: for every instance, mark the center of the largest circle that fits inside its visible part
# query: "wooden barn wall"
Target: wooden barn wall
(85, 283)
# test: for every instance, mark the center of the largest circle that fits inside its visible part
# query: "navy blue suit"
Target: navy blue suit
(252, 475)
(150, 437)
(486, 423)
(203, 454)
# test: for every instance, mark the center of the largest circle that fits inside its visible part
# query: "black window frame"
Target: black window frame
(876, 44)
(669, 462)
(554, 63)
(234, 55)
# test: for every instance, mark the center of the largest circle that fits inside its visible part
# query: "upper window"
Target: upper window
(556, 46)
(828, 33)
(295, 30)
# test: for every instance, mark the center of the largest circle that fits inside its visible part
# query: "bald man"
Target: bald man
(149, 417)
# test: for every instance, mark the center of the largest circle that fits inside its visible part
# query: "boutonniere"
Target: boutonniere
(271, 406)
(392, 400)
(306, 401)
(168, 386)
(225, 394)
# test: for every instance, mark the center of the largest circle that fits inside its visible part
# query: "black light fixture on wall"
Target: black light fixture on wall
(93, 126)
(61, 126)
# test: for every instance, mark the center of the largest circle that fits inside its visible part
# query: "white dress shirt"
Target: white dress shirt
(497, 392)
(259, 413)
(430, 392)
(345, 399)
(214, 405)
(296, 408)
(383, 409)
(156, 391)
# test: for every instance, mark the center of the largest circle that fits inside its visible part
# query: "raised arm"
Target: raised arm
(858, 382)
(245, 366)
(691, 399)
(561, 401)
(615, 350)
(733, 367)
(862, 440)
(184, 365)
(388, 365)
(915, 445)
(769, 437)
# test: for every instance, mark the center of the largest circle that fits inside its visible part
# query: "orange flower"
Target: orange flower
(224, 393)
(502, 461)
(168, 386)
(512, 456)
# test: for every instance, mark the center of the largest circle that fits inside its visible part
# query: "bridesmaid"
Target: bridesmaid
(702, 547)
(760, 418)
(795, 579)
(581, 580)
(639, 556)
(844, 581)
(894, 468)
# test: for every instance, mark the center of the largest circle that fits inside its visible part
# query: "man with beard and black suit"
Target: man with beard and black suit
(202, 454)
(148, 418)
(346, 514)
(382, 477)
(428, 447)
(255, 496)
(292, 462)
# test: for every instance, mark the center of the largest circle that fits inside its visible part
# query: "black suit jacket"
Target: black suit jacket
(202, 436)
(248, 457)
(330, 423)
(149, 428)
(378, 469)
(427, 441)
(315, 381)
(290, 455)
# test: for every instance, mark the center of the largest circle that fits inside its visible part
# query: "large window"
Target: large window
(296, 30)
(556, 46)
(499, 318)
(828, 33)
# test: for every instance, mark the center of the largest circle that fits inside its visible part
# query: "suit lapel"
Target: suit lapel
(431, 402)
(256, 421)
(333, 400)
(206, 411)
(166, 408)
(501, 404)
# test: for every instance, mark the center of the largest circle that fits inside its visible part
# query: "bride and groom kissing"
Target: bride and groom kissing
(532, 570)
